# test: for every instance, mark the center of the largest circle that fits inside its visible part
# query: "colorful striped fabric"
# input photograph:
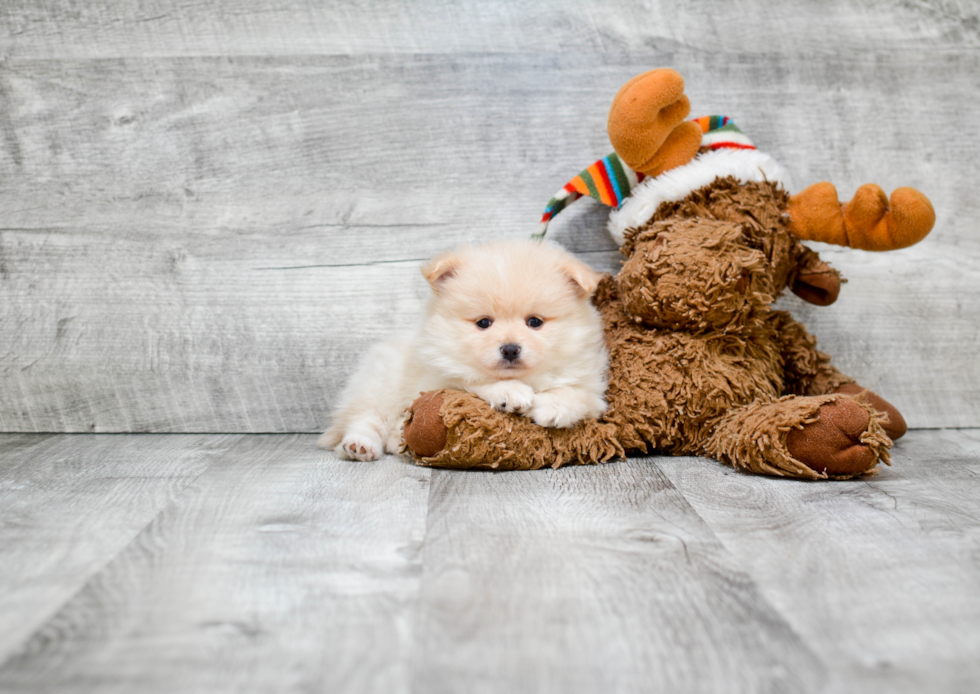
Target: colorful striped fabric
(610, 181)
(721, 133)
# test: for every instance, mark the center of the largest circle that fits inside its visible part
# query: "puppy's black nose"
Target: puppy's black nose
(511, 351)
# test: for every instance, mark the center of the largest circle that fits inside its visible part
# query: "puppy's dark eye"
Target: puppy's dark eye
(484, 323)
(534, 322)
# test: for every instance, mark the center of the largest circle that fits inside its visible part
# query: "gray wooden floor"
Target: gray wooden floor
(251, 563)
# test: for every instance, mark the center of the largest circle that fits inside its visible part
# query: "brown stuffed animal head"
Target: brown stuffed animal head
(693, 275)
(717, 259)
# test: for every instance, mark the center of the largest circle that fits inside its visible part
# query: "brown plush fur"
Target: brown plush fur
(700, 363)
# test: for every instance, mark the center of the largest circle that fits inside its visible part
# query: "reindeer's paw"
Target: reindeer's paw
(425, 431)
(841, 442)
(893, 424)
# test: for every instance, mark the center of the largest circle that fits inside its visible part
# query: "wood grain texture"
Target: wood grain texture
(336, 154)
(877, 575)
(206, 213)
(181, 563)
(69, 504)
(280, 569)
(593, 579)
(109, 28)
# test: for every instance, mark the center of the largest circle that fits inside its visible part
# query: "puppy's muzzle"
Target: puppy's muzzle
(510, 352)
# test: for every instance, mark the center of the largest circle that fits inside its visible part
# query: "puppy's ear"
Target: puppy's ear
(584, 278)
(440, 269)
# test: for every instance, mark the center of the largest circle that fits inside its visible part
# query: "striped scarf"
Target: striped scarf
(610, 181)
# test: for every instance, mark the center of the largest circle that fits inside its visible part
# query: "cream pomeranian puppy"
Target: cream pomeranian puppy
(511, 322)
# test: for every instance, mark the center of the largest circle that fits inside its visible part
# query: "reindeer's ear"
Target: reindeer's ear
(814, 281)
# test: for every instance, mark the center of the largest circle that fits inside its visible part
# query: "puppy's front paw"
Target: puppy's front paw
(564, 408)
(360, 447)
(507, 396)
(551, 414)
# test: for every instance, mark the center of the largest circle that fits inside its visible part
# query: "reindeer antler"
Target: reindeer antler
(870, 221)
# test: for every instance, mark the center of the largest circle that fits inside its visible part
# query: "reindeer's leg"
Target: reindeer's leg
(452, 429)
(830, 436)
(808, 371)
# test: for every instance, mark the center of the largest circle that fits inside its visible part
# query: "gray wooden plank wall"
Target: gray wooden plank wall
(208, 211)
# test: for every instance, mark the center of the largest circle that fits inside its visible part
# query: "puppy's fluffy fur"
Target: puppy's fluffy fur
(511, 321)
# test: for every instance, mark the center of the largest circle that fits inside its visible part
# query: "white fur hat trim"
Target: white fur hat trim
(746, 165)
